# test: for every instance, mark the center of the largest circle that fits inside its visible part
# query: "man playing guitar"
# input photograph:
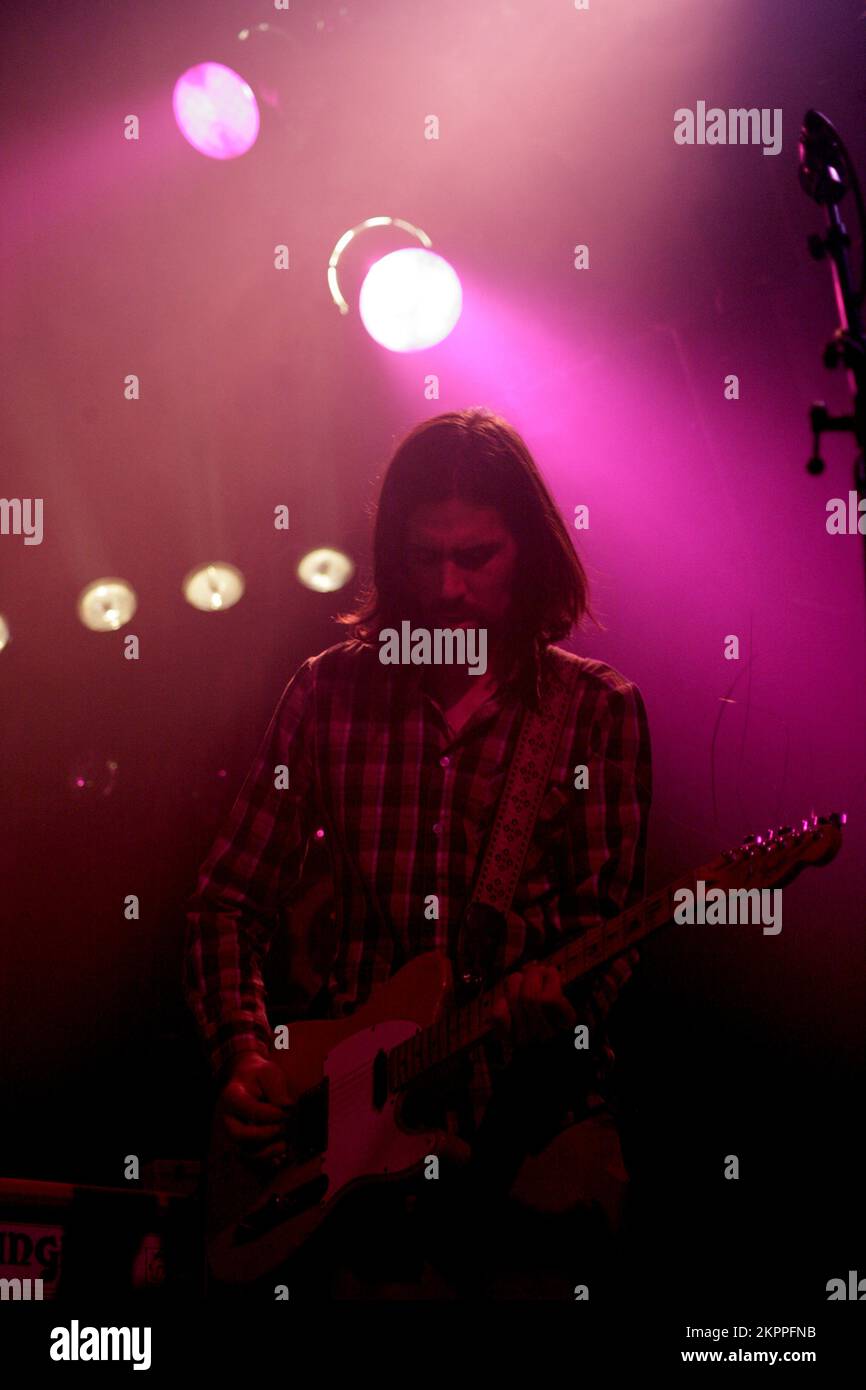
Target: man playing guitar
(402, 765)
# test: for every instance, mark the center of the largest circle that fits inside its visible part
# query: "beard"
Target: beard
(433, 617)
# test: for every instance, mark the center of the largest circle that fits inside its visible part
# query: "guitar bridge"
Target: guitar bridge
(279, 1207)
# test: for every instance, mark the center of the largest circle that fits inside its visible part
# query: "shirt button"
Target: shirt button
(445, 762)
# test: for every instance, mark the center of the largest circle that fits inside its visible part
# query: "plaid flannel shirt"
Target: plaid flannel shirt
(405, 807)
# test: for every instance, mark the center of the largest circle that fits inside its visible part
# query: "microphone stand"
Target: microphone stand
(826, 172)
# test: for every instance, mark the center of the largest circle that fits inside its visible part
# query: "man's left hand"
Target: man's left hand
(534, 1007)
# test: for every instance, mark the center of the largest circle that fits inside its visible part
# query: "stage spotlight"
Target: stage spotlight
(213, 588)
(5, 634)
(325, 570)
(216, 111)
(410, 299)
(106, 604)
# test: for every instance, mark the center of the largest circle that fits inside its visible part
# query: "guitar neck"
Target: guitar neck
(462, 1028)
(761, 861)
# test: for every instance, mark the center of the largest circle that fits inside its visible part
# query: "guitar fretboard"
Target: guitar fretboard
(761, 861)
(462, 1028)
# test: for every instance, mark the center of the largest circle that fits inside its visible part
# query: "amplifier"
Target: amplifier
(59, 1238)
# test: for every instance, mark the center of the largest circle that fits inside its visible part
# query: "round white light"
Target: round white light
(106, 604)
(213, 588)
(410, 299)
(325, 570)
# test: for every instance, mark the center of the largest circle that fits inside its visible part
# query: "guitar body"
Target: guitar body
(347, 1127)
(253, 1225)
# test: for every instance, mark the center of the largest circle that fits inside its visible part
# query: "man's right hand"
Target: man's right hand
(251, 1102)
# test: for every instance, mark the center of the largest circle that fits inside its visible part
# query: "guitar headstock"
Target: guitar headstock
(777, 855)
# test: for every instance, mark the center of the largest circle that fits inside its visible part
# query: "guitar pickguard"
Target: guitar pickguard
(364, 1137)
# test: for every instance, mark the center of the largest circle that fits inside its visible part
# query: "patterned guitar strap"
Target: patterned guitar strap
(495, 884)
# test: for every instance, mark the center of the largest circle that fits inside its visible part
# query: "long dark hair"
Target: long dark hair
(480, 458)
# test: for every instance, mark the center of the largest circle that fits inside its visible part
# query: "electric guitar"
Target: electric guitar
(353, 1076)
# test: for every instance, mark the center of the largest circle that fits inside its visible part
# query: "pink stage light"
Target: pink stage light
(410, 299)
(216, 111)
